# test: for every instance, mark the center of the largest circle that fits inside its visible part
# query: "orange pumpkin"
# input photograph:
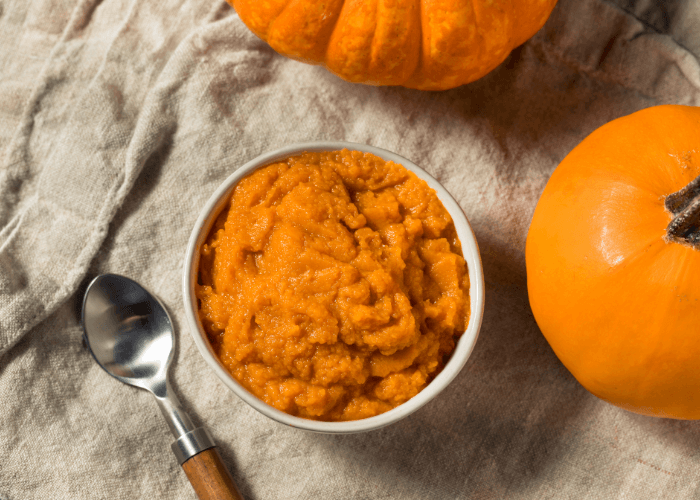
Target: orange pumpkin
(422, 44)
(613, 262)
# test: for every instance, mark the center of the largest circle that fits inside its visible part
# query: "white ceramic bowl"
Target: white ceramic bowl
(459, 357)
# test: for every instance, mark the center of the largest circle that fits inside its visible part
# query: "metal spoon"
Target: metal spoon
(130, 335)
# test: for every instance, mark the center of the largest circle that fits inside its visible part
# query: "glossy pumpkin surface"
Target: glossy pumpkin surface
(422, 44)
(615, 294)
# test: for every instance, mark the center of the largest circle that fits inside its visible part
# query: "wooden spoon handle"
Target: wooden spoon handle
(210, 478)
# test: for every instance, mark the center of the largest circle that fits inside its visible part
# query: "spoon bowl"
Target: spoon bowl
(129, 332)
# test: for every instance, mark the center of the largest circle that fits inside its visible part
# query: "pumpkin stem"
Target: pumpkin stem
(685, 207)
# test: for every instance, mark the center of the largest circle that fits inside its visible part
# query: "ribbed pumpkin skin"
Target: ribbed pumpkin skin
(422, 44)
(616, 300)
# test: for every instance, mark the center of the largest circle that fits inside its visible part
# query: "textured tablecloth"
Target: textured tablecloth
(118, 118)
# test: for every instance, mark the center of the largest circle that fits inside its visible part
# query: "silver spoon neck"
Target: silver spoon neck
(176, 417)
(189, 440)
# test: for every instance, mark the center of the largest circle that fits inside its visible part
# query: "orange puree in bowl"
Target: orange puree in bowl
(333, 285)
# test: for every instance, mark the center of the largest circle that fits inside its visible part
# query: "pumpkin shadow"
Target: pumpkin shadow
(549, 109)
(681, 436)
(500, 424)
(527, 114)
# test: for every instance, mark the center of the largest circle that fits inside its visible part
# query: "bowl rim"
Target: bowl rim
(470, 250)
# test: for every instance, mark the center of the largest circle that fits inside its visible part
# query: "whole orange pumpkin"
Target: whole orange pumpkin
(422, 44)
(613, 262)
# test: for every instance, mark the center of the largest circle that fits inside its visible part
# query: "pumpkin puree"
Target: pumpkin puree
(333, 285)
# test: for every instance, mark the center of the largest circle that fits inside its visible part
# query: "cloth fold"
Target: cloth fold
(84, 137)
(118, 119)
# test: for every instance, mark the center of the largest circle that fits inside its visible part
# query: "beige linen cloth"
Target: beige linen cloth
(118, 118)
